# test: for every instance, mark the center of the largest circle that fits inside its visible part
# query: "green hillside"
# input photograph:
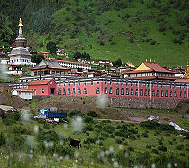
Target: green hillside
(110, 29)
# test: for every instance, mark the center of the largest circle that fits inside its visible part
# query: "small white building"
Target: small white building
(23, 93)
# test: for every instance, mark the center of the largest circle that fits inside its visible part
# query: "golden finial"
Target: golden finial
(20, 22)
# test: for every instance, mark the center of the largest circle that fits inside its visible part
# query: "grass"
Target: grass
(87, 153)
(118, 30)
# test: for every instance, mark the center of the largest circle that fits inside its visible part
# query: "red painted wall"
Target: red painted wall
(46, 88)
(92, 88)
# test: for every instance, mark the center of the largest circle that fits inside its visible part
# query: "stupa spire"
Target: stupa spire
(20, 28)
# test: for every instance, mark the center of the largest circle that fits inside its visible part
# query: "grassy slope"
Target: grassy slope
(165, 51)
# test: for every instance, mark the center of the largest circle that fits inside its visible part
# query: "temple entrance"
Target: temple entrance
(52, 91)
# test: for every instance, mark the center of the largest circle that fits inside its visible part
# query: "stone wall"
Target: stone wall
(142, 103)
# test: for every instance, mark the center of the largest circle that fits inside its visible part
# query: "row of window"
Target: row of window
(132, 84)
(145, 92)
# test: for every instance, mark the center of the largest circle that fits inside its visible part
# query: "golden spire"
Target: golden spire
(20, 22)
(186, 75)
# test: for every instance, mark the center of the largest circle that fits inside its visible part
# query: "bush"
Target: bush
(155, 151)
(118, 141)
(75, 113)
(180, 147)
(92, 113)
(109, 129)
(2, 139)
(88, 120)
(144, 134)
(162, 148)
(130, 149)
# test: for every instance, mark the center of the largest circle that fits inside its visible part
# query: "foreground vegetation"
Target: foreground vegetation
(28, 143)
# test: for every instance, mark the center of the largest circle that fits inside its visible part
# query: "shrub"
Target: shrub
(88, 119)
(144, 134)
(148, 146)
(75, 113)
(118, 141)
(130, 149)
(162, 148)
(180, 147)
(92, 113)
(90, 140)
(155, 151)
(109, 129)
(2, 139)
(89, 127)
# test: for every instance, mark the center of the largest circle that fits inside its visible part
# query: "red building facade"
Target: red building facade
(43, 87)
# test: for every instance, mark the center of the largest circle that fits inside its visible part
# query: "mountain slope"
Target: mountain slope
(131, 30)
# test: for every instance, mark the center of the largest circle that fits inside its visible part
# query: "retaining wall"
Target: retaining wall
(142, 103)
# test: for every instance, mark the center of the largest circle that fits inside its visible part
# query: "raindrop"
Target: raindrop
(77, 124)
(153, 165)
(102, 101)
(36, 129)
(76, 154)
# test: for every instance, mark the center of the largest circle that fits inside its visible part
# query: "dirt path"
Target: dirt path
(124, 121)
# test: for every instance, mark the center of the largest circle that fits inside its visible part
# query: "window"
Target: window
(78, 83)
(68, 91)
(122, 91)
(117, 91)
(153, 85)
(117, 83)
(170, 86)
(85, 83)
(127, 91)
(145, 93)
(74, 83)
(157, 93)
(59, 92)
(35, 73)
(162, 93)
(79, 91)
(110, 90)
(184, 94)
(64, 91)
(141, 92)
(121, 83)
(132, 92)
(136, 92)
(161, 85)
(85, 91)
(131, 83)
(175, 93)
(68, 83)
(97, 82)
(148, 92)
(153, 93)
(110, 82)
(136, 84)
(171, 94)
(166, 93)
(97, 90)
(148, 84)
(73, 90)
(91, 83)
(141, 84)
(64, 84)
(106, 90)
(105, 82)
(145, 84)
(180, 94)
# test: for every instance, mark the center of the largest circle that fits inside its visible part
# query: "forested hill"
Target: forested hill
(132, 30)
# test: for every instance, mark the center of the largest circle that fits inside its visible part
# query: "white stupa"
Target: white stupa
(20, 54)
